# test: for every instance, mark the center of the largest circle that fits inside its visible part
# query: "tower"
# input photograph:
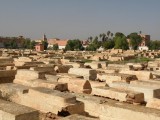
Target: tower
(44, 38)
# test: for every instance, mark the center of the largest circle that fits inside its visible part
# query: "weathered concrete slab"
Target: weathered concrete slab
(13, 111)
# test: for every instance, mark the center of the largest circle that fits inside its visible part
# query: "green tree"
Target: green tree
(108, 44)
(26, 43)
(6, 44)
(135, 40)
(74, 45)
(13, 44)
(91, 47)
(112, 34)
(90, 39)
(55, 47)
(103, 37)
(120, 41)
(119, 34)
(32, 44)
(94, 45)
(70, 45)
(108, 33)
(154, 45)
(97, 44)
(140, 32)
(45, 43)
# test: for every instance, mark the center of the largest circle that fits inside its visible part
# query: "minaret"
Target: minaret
(44, 38)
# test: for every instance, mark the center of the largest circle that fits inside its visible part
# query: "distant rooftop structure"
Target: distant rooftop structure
(144, 44)
(61, 42)
(39, 47)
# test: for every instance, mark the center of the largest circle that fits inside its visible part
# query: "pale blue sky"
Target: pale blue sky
(69, 19)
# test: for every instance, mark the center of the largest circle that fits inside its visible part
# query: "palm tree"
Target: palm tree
(103, 37)
(90, 39)
(108, 33)
(106, 38)
(112, 35)
(100, 36)
(140, 32)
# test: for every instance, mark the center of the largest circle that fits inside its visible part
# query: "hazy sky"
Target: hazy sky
(69, 19)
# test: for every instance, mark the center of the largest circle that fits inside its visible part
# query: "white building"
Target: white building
(61, 43)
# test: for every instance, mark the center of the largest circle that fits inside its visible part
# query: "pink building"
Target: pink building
(145, 40)
(39, 47)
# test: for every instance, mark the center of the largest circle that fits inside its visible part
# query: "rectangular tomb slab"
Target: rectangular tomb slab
(7, 73)
(112, 110)
(118, 94)
(88, 74)
(7, 76)
(120, 111)
(141, 75)
(150, 83)
(44, 83)
(53, 95)
(66, 75)
(77, 85)
(10, 89)
(51, 101)
(24, 74)
(13, 111)
(109, 78)
(149, 91)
